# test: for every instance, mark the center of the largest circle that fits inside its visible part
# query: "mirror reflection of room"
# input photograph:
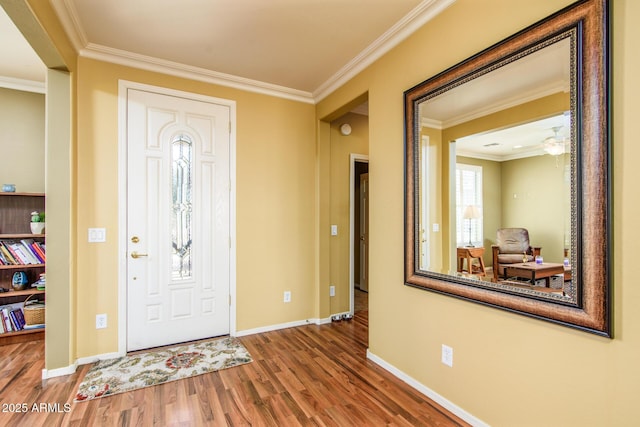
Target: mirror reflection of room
(512, 198)
(502, 168)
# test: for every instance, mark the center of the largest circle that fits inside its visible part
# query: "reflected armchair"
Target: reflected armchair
(511, 245)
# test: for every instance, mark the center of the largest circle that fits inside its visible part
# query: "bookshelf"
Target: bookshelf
(15, 210)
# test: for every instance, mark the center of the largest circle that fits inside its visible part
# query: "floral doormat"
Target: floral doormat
(155, 367)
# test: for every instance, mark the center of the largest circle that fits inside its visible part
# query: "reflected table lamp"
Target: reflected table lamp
(471, 212)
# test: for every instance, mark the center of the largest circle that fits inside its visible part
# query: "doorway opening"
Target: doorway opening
(359, 247)
(342, 133)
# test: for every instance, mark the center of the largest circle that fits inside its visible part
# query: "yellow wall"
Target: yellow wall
(275, 202)
(22, 140)
(535, 195)
(341, 148)
(509, 370)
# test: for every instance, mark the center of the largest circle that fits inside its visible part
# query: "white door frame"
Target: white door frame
(425, 219)
(123, 87)
(353, 158)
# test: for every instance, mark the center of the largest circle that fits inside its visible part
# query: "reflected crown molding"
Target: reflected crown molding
(541, 92)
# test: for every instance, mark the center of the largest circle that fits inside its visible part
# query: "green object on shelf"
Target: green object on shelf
(37, 216)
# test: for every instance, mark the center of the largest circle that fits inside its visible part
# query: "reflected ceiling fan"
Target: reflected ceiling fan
(555, 145)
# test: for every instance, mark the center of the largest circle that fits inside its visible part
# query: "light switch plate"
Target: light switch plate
(97, 235)
(334, 230)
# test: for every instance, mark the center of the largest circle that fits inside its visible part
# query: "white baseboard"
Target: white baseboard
(97, 358)
(68, 370)
(270, 328)
(323, 321)
(59, 372)
(447, 404)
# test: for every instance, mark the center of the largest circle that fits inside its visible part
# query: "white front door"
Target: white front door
(178, 225)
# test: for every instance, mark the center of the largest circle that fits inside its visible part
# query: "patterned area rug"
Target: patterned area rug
(140, 370)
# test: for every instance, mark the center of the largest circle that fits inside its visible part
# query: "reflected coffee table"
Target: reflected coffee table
(533, 271)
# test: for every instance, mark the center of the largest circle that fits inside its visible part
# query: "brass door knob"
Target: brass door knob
(136, 255)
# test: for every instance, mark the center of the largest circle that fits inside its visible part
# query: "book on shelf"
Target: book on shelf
(23, 252)
(6, 320)
(33, 247)
(11, 247)
(37, 326)
(26, 248)
(19, 315)
(41, 283)
(20, 254)
(16, 320)
(39, 249)
(7, 254)
(12, 318)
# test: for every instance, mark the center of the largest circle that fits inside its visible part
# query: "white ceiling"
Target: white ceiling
(293, 48)
(524, 140)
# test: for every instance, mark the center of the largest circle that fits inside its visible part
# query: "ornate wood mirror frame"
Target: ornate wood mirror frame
(586, 305)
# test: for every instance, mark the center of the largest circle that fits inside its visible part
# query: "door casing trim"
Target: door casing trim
(123, 87)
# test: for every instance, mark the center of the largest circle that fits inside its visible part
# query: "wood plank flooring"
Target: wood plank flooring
(308, 376)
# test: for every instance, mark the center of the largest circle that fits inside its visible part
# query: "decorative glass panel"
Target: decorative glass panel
(181, 207)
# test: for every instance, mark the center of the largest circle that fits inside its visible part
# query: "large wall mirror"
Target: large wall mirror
(507, 174)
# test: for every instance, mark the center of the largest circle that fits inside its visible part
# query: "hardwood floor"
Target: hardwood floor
(310, 375)
(360, 300)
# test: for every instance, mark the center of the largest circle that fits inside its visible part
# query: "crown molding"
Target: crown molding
(523, 154)
(411, 22)
(419, 16)
(71, 23)
(23, 85)
(121, 57)
(431, 123)
(520, 98)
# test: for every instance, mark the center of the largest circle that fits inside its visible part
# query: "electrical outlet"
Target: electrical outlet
(332, 291)
(447, 355)
(101, 321)
(287, 296)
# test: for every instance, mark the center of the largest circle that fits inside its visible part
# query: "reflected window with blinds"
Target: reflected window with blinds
(468, 205)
